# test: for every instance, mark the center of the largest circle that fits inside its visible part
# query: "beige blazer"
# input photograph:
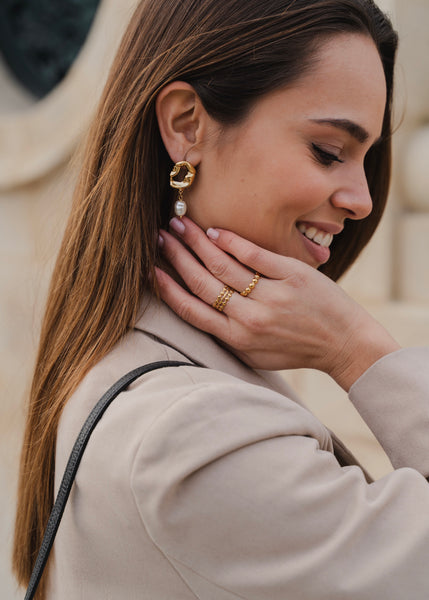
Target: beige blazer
(217, 483)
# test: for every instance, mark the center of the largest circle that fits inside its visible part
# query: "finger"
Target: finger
(222, 266)
(192, 309)
(258, 259)
(198, 279)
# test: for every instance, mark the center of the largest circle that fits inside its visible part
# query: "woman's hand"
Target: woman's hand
(294, 317)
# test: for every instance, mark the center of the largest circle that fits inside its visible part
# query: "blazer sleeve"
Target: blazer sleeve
(239, 488)
(392, 397)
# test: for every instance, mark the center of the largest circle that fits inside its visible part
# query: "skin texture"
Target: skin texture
(297, 158)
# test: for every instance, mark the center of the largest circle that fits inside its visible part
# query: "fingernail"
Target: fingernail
(177, 225)
(212, 234)
(160, 240)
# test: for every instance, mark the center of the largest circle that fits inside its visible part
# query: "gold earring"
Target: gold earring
(180, 207)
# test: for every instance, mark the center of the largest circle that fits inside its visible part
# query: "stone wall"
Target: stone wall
(36, 179)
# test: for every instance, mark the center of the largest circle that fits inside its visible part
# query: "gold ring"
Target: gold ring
(223, 298)
(252, 284)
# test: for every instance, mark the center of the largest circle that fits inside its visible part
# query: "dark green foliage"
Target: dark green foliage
(40, 39)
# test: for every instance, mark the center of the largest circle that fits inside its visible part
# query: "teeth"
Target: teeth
(319, 237)
(311, 232)
(316, 235)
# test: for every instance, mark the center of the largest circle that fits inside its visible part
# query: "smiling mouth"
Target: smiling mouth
(317, 236)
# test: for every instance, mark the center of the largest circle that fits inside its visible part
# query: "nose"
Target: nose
(353, 196)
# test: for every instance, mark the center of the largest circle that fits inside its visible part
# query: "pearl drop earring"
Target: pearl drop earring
(180, 207)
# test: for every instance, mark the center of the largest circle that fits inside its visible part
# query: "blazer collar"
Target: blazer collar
(158, 320)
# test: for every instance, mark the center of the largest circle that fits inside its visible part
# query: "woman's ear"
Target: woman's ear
(182, 121)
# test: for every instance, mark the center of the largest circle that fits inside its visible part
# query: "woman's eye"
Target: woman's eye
(324, 157)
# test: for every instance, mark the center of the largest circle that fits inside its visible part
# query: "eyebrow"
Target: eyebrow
(356, 131)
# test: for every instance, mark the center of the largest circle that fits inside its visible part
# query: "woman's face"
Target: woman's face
(289, 175)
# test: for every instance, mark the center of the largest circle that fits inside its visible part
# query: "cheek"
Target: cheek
(258, 189)
(295, 185)
(277, 193)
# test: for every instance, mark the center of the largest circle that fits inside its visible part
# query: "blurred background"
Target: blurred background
(54, 58)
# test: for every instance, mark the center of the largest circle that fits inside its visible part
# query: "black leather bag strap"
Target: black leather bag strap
(74, 461)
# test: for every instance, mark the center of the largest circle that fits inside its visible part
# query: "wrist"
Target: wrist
(368, 343)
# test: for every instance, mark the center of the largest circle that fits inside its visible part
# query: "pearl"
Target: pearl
(180, 208)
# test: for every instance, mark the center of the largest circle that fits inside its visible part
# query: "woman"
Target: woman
(215, 482)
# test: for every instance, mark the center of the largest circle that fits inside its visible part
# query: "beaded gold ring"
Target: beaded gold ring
(251, 285)
(223, 298)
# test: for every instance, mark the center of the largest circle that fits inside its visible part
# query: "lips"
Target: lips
(317, 237)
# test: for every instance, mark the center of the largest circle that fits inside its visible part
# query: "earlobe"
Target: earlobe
(180, 120)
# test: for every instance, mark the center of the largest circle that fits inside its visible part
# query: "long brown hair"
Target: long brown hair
(232, 52)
